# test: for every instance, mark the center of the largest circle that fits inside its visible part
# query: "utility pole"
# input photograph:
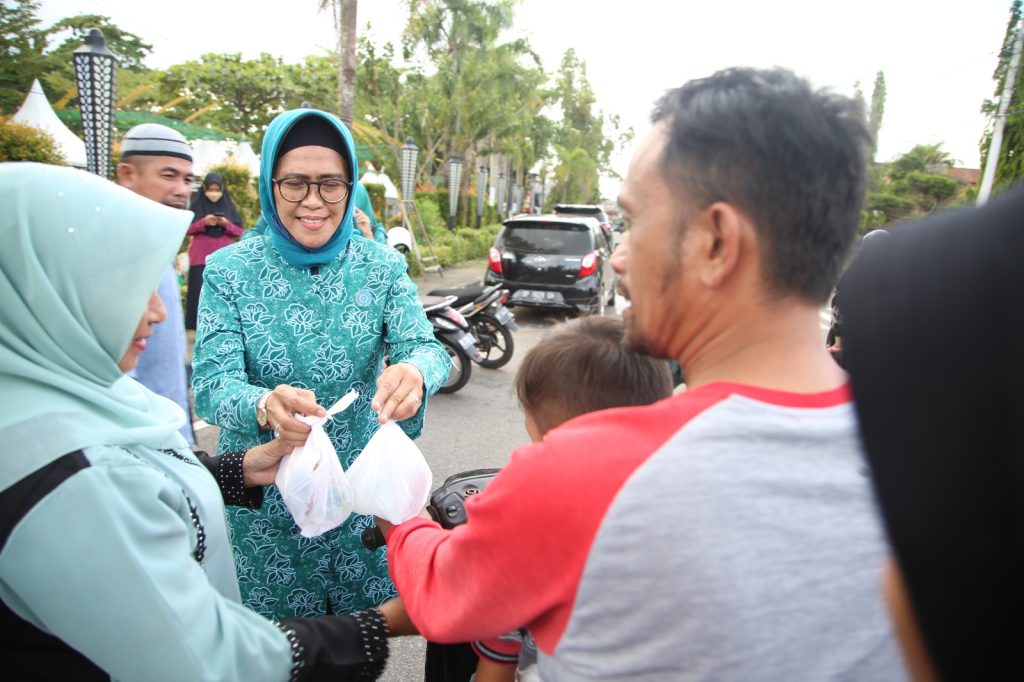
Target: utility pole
(996, 144)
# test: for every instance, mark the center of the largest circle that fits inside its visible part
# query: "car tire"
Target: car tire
(462, 366)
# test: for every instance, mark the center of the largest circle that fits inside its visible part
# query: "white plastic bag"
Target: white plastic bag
(390, 478)
(311, 481)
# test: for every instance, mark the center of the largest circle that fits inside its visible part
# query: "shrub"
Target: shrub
(377, 199)
(427, 207)
(934, 189)
(20, 142)
(890, 205)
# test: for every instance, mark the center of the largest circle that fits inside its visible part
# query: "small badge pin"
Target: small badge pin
(364, 298)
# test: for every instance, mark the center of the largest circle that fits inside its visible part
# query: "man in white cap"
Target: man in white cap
(156, 162)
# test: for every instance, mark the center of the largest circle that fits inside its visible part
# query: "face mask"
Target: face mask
(214, 196)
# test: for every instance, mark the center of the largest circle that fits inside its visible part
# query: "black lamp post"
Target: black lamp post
(454, 179)
(501, 194)
(409, 153)
(96, 73)
(481, 194)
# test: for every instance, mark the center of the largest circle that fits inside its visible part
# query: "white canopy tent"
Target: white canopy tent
(208, 153)
(37, 112)
(372, 177)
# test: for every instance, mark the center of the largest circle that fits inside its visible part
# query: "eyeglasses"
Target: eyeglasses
(332, 191)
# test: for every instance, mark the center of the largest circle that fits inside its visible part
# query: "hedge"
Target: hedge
(20, 142)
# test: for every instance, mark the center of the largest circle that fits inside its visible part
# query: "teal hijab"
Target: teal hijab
(79, 260)
(292, 251)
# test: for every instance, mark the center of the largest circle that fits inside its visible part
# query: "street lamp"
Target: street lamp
(454, 178)
(501, 194)
(96, 73)
(481, 189)
(409, 153)
(533, 192)
(510, 192)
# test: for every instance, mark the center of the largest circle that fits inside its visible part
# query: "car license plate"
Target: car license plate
(539, 296)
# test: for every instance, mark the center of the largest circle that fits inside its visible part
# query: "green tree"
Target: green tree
(930, 190)
(582, 147)
(239, 96)
(1010, 166)
(925, 158)
(451, 104)
(131, 51)
(59, 75)
(22, 43)
(344, 12)
(877, 109)
(450, 31)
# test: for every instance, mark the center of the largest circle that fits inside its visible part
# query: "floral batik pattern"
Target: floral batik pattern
(263, 323)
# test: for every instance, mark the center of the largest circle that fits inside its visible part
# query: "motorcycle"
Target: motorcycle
(490, 321)
(447, 504)
(453, 331)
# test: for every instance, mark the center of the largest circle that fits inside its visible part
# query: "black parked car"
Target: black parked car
(591, 210)
(553, 261)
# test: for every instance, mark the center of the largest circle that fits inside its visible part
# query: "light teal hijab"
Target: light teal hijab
(79, 259)
(292, 251)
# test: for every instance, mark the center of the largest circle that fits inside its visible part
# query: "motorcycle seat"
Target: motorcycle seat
(431, 302)
(463, 295)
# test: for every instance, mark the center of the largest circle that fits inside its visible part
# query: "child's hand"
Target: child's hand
(397, 618)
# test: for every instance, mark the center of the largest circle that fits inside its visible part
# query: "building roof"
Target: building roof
(965, 176)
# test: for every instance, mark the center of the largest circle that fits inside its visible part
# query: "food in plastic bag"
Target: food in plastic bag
(311, 481)
(390, 478)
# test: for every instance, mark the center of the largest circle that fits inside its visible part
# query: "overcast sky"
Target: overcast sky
(938, 55)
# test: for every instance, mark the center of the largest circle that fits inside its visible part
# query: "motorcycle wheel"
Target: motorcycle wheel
(494, 341)
(461, 366)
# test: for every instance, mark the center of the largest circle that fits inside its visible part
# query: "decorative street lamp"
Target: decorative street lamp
(454, 178)
(481, 189)
(409, 153)
(96, 73)
(533, 193)
(510, 192)
(501, 194)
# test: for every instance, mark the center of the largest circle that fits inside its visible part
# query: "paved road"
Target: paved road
(478, 426)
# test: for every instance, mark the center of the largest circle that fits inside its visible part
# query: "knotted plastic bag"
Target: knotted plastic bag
(390, 478)
(311, 481)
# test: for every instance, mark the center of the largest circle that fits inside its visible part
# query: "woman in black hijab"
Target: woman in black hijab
(216, 225)
(933, 332)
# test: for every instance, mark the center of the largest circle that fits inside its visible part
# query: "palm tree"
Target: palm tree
(344, 12)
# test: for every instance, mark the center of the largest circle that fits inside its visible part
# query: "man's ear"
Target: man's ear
(721, 245)
(126, 173)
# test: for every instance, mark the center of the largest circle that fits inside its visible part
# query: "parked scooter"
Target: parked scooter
(452, 330)
(490, 321)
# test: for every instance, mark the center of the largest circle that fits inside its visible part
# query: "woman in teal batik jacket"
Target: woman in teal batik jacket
(288, 323)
